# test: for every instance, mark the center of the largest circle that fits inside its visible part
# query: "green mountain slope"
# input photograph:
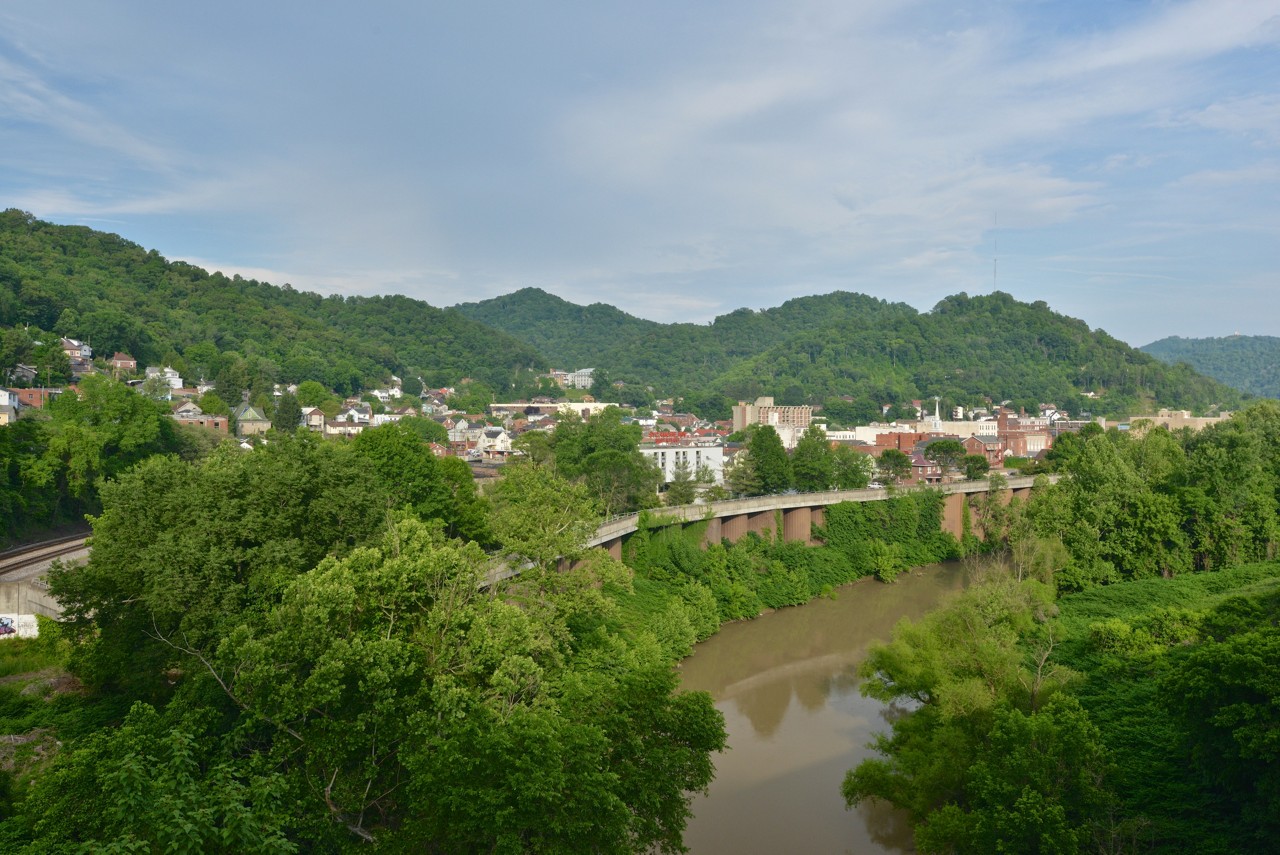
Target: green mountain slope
(968, 347)
(841, 344)
(1250, 363)
(101, 288)
(638, 350)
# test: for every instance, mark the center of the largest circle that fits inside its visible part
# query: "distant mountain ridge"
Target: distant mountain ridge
(1250, 363)
(639, 350)
(844, 344)
(849, 352)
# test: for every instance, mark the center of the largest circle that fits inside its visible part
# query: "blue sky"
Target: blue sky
(677, 160)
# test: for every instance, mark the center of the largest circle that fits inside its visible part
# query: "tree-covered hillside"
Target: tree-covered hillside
(669, 355)
(1250, 363)
(829, 349)
(819, 348)
(101, 288)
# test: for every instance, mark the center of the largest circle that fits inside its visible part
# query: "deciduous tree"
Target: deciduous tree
(893, 466)
(812, 462)
(769, 460)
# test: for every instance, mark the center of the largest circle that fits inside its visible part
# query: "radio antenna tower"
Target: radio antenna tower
(995, 253)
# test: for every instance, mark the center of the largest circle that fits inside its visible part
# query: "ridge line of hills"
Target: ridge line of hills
(1250, 363)
(850, 352)
(824, 348)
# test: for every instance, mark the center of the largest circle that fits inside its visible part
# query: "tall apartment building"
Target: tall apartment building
(789, 422)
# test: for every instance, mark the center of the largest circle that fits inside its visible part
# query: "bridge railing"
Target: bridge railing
(624, 524)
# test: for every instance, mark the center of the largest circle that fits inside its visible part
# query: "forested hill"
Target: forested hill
(101, 288)
(818, 348)
(681, 356)
(1250, 363)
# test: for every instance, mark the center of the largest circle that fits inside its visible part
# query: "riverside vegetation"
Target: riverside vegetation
(1112, 688)
(292, 649)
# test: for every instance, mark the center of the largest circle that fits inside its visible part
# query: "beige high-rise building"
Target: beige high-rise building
(789, 422)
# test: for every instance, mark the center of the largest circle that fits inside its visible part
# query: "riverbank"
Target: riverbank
(685, 593)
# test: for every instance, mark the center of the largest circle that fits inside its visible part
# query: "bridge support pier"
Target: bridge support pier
(763, 523)
(953, 514)
(714, 531)
(797, 526)
(735, 527)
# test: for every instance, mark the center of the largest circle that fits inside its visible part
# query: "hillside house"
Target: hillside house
(123, 363)
(36, 398)
(313, 419)
(358, 413)
(493, 443)
(341, 427)
(24, 374)
(8, 407)
(250, 421)
(169, 375)
(77, 350)
(189, 413)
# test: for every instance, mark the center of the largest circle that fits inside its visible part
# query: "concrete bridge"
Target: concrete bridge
(733, 518)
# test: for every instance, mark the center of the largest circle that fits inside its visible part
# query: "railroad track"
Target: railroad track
(16, 564)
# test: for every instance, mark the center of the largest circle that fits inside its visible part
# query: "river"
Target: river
(788, 687)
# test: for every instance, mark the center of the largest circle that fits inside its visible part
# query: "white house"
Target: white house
(668, 453)
(169, 375)
(493, 442)
(582, 378)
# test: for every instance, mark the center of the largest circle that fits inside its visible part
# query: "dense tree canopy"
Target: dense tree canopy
(854, 353)
(603, 452)
(318, 663)
(101, 288)
(769, 461)
(1250, 363)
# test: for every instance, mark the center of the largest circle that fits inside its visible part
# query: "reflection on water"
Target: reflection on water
(788, 687)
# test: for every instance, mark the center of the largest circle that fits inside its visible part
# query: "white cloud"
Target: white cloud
(1177, 33)
(25, 96)
(1266, 172)
(1255, 116)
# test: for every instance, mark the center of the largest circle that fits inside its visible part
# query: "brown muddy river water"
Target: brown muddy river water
(788, 687)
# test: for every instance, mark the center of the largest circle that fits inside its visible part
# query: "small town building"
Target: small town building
(189, 413)
(123, 363)
(36, 398)
(789, 421)
(668, 450)
(313, 419)
(168, 375)
(250, 421)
